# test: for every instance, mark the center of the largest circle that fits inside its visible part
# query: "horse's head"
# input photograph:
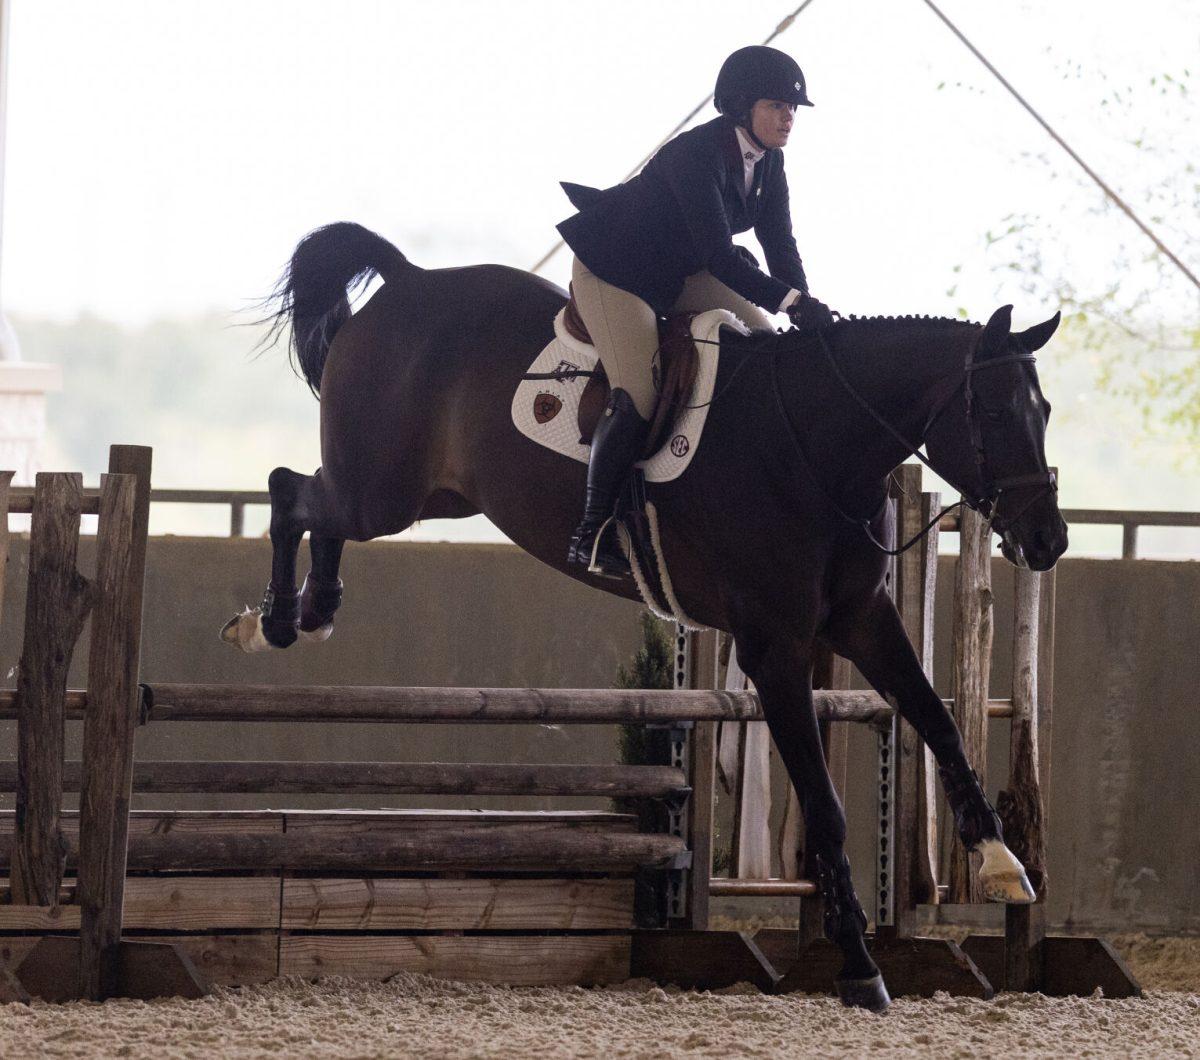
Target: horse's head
(990, 441)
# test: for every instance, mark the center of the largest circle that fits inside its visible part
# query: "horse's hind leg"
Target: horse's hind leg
(322, 592)
(276, 622)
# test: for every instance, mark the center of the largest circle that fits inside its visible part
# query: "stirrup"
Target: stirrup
(623, 569)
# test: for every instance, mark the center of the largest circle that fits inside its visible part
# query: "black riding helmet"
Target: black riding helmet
(755, 73)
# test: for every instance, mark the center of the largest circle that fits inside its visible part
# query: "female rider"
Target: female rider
(662, 242)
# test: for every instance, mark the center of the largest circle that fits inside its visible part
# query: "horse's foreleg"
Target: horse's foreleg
(874, 639)
(781, 669)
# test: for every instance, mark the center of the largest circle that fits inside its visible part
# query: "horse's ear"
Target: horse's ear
(1036, 337)
(995, 333)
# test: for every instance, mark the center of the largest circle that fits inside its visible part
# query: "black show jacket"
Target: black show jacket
(678, 216)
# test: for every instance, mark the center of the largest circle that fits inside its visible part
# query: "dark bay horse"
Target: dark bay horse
(765, 535)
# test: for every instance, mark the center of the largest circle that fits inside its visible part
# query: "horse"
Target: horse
(772, 535)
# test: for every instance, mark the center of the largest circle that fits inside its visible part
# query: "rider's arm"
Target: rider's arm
(773, 230)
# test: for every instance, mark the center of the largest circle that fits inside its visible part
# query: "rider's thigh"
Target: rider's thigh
(702, 291)
(624, 330)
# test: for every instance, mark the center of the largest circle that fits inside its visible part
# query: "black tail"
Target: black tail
(313, 292)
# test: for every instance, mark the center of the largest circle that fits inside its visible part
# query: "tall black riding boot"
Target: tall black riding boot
(616, 444)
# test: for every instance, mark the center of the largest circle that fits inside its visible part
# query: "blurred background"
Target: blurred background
(162, 160)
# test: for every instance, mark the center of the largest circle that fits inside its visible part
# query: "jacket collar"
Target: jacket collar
(737, 172)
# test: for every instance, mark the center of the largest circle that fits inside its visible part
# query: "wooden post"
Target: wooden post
(111, 716)
(56, 606)
(1020, 804)
(914, 866)
(972, 654)
(836, 735)
(6, 478)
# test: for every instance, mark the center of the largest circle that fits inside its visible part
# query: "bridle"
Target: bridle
(984, 500)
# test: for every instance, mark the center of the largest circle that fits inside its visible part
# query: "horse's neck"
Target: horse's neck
(904, 375)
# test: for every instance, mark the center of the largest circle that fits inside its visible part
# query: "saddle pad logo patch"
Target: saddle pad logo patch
(680, 445)
(546, 407)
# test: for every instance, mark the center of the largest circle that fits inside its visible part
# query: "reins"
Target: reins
(984, 503)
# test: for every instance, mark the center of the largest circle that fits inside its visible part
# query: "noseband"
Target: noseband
(987, 498)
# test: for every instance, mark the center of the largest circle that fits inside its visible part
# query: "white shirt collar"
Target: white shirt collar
(750, 151)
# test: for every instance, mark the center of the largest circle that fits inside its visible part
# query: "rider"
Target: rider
(662, 242)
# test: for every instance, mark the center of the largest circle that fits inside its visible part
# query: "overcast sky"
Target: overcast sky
(166, 157)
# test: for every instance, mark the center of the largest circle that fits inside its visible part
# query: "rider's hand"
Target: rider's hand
(809, 313)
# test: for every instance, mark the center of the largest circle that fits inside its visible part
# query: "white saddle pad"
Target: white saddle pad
(546, 410)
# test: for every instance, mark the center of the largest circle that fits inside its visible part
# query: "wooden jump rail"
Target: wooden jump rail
(389, 704)
(564, 896)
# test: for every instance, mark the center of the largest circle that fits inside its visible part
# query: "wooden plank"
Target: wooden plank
(465, 904)
(271, 821)
(166, 903)
(57, 603)
(515, 960)
(972, 660)
(391, 778)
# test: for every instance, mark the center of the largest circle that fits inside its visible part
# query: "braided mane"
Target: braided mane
(905, 321)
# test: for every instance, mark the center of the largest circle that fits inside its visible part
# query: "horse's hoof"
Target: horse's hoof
(1002, 876)
(870, 994)
(316, 636)
(244, 631)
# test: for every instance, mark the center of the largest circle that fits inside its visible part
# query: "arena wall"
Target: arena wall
(1126, 746)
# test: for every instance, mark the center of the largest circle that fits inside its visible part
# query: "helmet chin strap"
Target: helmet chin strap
(749, 131)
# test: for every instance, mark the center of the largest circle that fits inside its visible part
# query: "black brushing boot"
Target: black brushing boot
(860, 984)
(616, 444)
(973, 814)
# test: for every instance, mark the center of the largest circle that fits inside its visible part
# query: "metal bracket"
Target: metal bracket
(678, 811)
(885, 860)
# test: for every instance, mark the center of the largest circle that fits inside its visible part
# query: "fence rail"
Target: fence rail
(1130, 520)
